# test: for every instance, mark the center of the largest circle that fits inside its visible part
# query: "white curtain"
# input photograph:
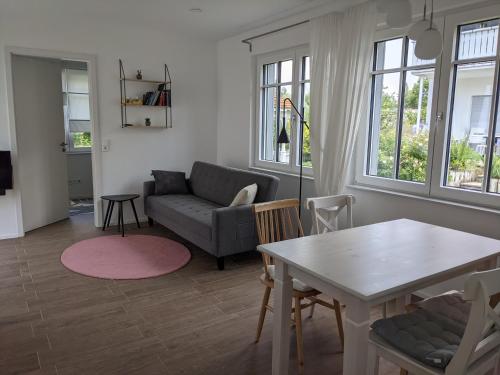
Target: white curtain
(341, 51)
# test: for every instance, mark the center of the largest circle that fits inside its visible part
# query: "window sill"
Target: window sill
(423, 198)
(289, 174)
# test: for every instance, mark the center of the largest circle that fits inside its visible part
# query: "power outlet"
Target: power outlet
(106, 146)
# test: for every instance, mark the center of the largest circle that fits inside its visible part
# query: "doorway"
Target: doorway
(78, 137)
(52, 108)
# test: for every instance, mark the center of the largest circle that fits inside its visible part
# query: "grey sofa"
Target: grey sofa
(203, 216)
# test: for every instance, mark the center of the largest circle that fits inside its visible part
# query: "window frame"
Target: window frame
(361, 176)
(441, 119)
(445, 107)
(295, 54)
(71, 149)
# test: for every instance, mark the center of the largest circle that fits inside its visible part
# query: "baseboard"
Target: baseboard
(8, 236)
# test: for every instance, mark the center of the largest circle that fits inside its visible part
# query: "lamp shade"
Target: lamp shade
(429, 44)
(283, 137)
(418, 28)
(399, 14)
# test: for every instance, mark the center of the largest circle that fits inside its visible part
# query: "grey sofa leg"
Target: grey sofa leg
(150, 222)
(220, 263)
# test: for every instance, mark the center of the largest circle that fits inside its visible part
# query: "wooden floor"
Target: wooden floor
(195, 321)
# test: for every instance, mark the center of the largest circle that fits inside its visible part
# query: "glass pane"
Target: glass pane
(268, 126)
(388, 54)
(470, 125)
(284, 149)
(306, 106)
(286, 71)
(416, 125)
(81, 140)
(414, 60)
(306, 67)
(384, 124)
(77, 81)
(270, 73)
(478, 40)
(78, 106)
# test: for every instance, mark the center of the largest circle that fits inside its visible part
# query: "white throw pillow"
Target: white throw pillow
(245, 196)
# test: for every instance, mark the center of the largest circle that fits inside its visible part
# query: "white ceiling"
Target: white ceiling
(219, 18)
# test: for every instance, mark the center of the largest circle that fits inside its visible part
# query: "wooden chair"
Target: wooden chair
(325, 210)
(278, 221)
(479, 349)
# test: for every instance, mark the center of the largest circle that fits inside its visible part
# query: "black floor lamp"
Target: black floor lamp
(284, 139)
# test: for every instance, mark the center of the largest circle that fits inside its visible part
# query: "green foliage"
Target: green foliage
(413, 154)
(463, 157)
(82, 139)
(495, 167)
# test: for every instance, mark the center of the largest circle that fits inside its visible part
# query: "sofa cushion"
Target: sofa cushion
(221, 184)
(430, 338)
(188, 211)
(245, 196)
(167, 182)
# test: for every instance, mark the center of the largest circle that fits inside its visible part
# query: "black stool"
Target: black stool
(111, 204)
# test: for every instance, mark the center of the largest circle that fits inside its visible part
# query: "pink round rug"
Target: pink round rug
(131, 257)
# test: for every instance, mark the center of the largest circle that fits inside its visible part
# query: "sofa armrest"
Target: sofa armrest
(233, 230)
(148, 189)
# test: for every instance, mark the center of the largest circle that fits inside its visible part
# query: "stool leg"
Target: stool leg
(135, 213)
(123, 223)
(110, 214)
(119, 216)
(106, 217)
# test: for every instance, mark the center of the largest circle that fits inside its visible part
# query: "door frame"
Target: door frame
(96, 156)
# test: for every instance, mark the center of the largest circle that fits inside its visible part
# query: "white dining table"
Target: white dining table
(366, 266)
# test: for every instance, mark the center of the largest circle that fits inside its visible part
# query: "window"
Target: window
(281, 76)
(402, 89)
(433, 126)
(471, 95)
(77, 110)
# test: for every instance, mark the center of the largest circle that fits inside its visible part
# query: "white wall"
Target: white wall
(134, 152)
(80, 176)
(235, 124)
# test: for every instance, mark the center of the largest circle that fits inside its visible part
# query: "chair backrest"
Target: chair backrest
(277, 221)
(482, 333)
(325, 212)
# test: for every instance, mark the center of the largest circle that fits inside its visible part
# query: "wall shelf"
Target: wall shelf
(156, 95)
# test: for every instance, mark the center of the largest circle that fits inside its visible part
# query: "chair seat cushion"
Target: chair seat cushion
(297, 284)
(450, 304)
(428, 337)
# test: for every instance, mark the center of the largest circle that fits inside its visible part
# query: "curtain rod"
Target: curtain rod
(249, 40)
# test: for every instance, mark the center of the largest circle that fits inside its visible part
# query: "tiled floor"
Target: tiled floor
(195, 321)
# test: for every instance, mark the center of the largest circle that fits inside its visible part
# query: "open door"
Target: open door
(38, 106)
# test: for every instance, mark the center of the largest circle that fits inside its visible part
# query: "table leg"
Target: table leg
(281, 316)
(106, 217)
(357, 325)
(135, 213)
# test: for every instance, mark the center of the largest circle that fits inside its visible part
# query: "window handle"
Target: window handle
(439, 116)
